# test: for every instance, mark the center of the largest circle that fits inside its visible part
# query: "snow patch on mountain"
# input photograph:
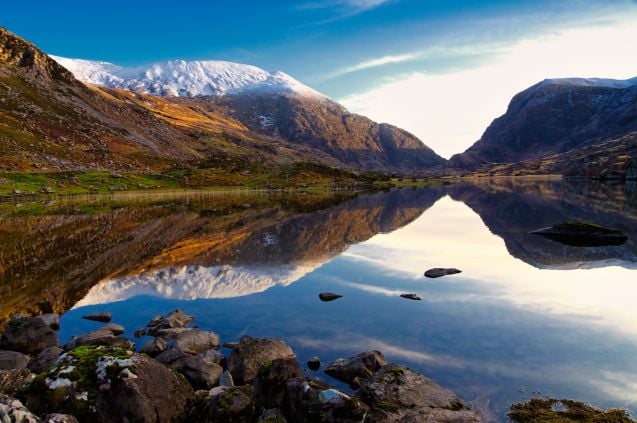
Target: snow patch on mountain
(179, 78)
(192, 282)
(591, 82)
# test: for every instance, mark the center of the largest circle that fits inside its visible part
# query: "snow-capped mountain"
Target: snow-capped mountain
(591, 82)
(180, 78)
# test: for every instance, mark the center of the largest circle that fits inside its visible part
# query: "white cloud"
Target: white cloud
(357, 5)
(374, 63)
(450, 111)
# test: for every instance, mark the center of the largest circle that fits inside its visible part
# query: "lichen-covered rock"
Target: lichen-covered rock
(248, 357)
(154, 347)
(314, 401)
(59, 418)
(228, 405)
(202, 370)
(398, 394)
(357, 369)
(12, 360)
(45, 359)
(13, 411)
(174, 319)
(107, 336)
(30, 335)
(104, 384)
(12, 381)
(270, 385)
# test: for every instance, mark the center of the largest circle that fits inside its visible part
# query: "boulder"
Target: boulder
(329, 296)
(59, 418)
(312, 400)
(248, 357)
(195, 341)
(154, 347)
(174, 319)
(105, 336)
(356, 369)
(270, 385)
(228, 405)
(103, 317)
(45, 359)
(105, 384)
(12, 381)
(30, 335)
(438, 272)
(12, 360)
(13, 411)
(582, 234)
(202, 370)
(396, 394)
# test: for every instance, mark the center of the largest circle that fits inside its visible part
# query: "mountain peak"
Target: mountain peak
(180, 78)
(591, 82)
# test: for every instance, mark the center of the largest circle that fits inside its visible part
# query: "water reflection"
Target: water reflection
(526, 315)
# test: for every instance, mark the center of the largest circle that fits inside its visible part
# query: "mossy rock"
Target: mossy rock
(548, 410)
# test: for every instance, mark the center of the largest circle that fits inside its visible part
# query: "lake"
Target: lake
(526, 317)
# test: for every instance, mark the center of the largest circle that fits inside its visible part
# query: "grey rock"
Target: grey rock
(195, 341)
(46, 358)
(154, 347)
(12, 360)
(270, 385)
(356, 369)
(228, 405)
(312, 400)
(202, 370)
(248, 357)
(175, 319)
(314, 363)
(139, 333)
(13, 411)
(103, 317)
(439, 272)
(398, 394)
(30, 335)
(411, 297)
(114, 328)
(105, 336)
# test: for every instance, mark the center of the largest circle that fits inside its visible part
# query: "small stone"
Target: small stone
(230, 345)
(329, 296)
(438, 272)
(139, 333)
(411, 297)
(103, 317)
(314, 363)
(357, 368)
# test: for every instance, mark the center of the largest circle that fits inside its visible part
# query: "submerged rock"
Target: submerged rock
(438, 272)
(411, 297)
(329, 296)
(553, 410)
(582, 234)
(30, 335)
(312, 400)
(248, 357)
(103, 317)
(355, 370)
(396, 393)
(12, 360)
(103, 384)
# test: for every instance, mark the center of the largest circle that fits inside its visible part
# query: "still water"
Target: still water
(527, 317)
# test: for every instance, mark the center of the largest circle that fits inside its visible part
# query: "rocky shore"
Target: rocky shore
(180, 375)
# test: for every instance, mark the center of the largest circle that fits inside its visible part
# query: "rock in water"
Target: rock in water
(30, 335)
(411, 297)
(103, 317)
(356, 369)
(329, 296)
(269, 387)
(107, 335)
(396, 393)
(314, 363)
(582, 234)
(248, 357)
(438, 272)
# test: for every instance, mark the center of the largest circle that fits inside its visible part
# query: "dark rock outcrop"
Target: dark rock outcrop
(30, 335)
(12, 360)
(251, 354)
(438, 272)
(231, 405)
(103, 317)
(44, 359)
(270, 385)
(355, 370)
(105, 336)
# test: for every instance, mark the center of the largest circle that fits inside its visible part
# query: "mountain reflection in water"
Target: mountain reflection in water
(527, 314)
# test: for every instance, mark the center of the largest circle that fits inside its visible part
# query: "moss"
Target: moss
(547, 410)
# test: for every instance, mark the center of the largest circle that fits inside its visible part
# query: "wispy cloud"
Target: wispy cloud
(374, 63)
(343, 9)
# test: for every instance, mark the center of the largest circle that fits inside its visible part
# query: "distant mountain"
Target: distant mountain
(180, 78)
(273, 105)
(548, 124)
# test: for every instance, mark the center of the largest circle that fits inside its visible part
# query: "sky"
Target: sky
(441, 69)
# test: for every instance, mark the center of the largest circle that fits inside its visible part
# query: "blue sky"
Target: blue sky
(348, 49)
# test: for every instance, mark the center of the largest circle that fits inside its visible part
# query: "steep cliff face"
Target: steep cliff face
(324, 125)
(555, 117)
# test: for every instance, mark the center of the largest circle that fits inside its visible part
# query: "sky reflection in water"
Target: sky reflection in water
(501, 331)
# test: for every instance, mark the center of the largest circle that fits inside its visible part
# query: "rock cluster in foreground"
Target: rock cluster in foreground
(180, 375)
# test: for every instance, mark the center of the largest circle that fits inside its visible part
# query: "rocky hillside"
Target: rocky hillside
(549, 124)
